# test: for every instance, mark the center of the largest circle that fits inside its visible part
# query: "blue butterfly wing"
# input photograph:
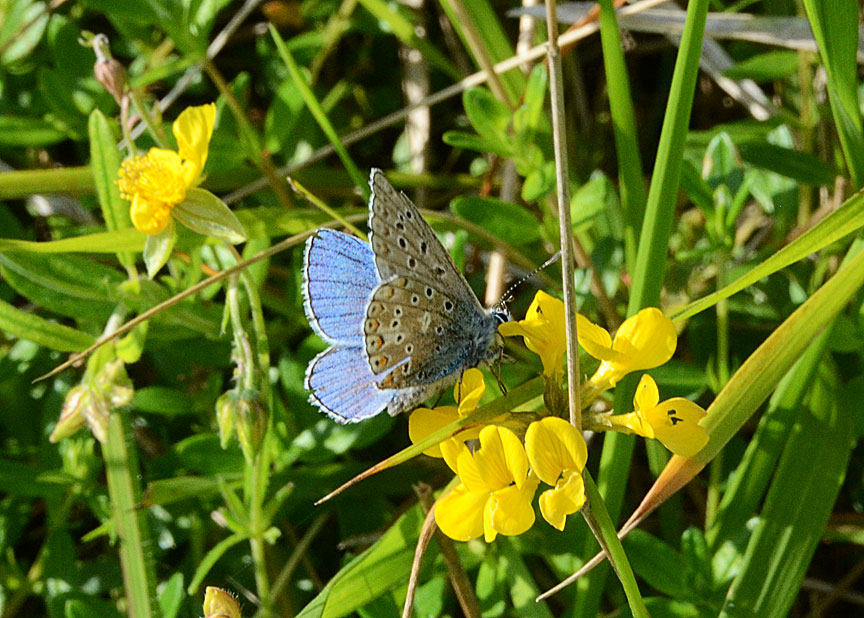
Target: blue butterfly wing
(344, 387)
(339, 277)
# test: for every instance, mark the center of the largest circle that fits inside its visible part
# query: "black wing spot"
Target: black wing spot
(409, 214)
(402, 242)
(394, 324)
(415, 299)
(409, 348)
(439, 271)
(412, 263)
(397, 311)
(448, 306)
(429, 292)
(424, 247)
(399, 338)
(439, 330)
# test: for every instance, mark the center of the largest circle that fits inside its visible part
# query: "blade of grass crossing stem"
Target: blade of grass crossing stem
(649, 271)
(632, 185)
(748, 482)
(497, 44)
(835, 27)
(797, 507)
(318, 113)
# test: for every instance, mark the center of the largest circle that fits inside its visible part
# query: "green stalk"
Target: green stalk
(22, 183)
(318, 113)
(648, 274)
(130, 520)
(630, 174)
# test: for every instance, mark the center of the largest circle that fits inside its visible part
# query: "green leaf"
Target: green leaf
(765, 67)
(469, 141)
(801, 166)
(380, 568)
(539, 183)
(797, 507)
(489, 116)
(206, 214)
(510, 222)
(39, 330)
(102, 242)
(157, 249)
(528, 118)
(14, 18)
(105, 163)
(658, 564)
(172, 596)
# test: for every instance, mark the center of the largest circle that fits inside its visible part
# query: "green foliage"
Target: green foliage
(198, 459)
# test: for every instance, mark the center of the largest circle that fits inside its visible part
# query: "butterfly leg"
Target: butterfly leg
(496, 371)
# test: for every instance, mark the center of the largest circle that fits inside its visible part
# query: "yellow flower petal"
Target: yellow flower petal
(648, 337)
(567, 498)
(676, 424)
(450, 451)
(644, 341)
(544, 331)
(423, 422)
(460, 513)
(510, 510)
(595, 340)
(193, 130)
(149, 217)
(501, 459)
(553, 445)
(647, 394)
(471, 388)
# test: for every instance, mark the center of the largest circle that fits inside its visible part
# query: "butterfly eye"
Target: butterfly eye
(502, 316)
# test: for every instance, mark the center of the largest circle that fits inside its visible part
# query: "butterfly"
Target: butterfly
(401, 320)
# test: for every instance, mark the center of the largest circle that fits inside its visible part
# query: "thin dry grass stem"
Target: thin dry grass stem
(262, 157)
(213, 49)
(415, 87)
(289, 242)
(837, 592)
(562, 180)
(535, 53)
(458, 578)
(298, 556)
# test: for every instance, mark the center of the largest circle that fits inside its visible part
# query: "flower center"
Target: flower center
(153, 181)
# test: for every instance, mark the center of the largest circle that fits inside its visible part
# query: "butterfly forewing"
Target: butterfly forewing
(405, 245)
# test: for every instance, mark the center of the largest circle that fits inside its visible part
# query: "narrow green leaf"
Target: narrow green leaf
(172, 596)
(206, 214)
(797, 506)
(800, 166)
(469, 141)
(211, 558)
(382, 567)
(765, 67)
(39, 330)
(105, 163)
(489, 116)
(101, 242)
(25, 132)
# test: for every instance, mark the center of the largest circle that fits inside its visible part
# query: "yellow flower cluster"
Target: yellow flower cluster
(499, 477)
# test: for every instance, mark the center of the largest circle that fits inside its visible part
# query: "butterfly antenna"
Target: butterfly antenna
(506, 297)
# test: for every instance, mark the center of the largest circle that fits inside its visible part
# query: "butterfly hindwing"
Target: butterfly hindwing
(416, 334)
(339, 278)
(343, 386)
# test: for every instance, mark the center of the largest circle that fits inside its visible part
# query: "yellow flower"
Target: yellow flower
(495, 492)
(544, 331)
(644, 341)
(557, 453)
(424, 422)
(675, 422)
(158, 181)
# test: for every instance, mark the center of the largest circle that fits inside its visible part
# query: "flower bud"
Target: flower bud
(97, 413)
(225, 413)
(220, 604)
(112, 76)
(251, 422)
(72, 415)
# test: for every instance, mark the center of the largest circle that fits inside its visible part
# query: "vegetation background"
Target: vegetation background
(688, 185)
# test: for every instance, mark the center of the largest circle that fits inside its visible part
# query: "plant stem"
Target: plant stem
(562, 178)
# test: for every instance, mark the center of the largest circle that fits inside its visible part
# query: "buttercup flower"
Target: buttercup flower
(495, 492)
(424, 422)
(544, 332)
(557, 453)
(158, 181)
(644, 341)
(675, 422)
